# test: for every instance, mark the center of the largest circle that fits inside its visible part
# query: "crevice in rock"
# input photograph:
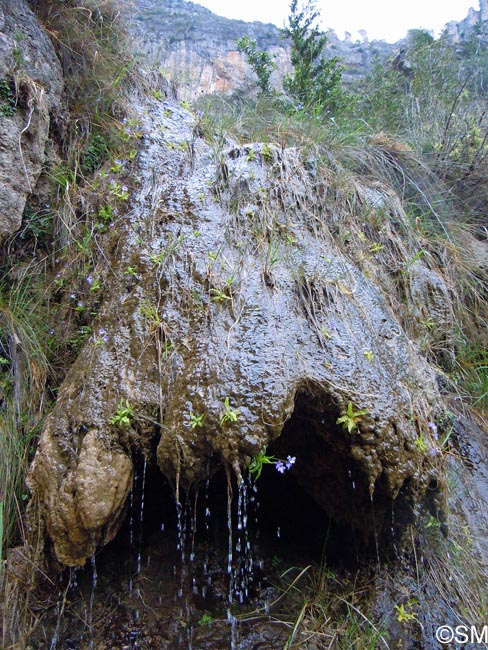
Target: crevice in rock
(325, 498)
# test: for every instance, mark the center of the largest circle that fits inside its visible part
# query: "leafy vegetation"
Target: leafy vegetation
(124, 415)
(315, 83)
(260, 61)
(351, 417)
(7, 99)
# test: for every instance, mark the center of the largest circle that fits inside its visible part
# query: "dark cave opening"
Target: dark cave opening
(319, 510)
(323, 504)
(229, 546)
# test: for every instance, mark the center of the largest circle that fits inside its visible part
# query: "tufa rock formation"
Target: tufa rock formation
(242, 308)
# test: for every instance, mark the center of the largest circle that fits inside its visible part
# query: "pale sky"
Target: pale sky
(382, 19)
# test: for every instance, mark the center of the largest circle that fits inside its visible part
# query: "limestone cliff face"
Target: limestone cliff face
(198, 50)
(475, 23)
(30, 69)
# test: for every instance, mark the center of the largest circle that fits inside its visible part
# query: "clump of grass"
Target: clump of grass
(23, 375)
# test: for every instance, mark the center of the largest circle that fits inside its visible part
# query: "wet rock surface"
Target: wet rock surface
(32, 82)
(241, 322)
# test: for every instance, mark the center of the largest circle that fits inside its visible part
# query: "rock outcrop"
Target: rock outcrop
(31, 79)
(242, 324)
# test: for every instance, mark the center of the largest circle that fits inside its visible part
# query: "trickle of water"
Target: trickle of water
(243, 559)
(233, 630)
(230, 542)
(206, 574)
(91, 602)
(375, 531)
(141, 518)
(72, 586)
(131, 532)
(54, 639)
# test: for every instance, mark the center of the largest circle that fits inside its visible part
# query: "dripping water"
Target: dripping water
(244, 560)
(207, 578)
(131, 533)
(230, 573)
(373, 519)
(141, 518)
(91, 602)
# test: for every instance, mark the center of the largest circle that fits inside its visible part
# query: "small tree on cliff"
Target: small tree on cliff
(260, 61)
(315, 82)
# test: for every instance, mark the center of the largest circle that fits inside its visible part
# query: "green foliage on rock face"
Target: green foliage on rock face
(315, 83)
(260, 61)
(7, 99)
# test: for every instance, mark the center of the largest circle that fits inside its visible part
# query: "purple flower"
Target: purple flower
(89, 279)
(433, 427)
(124, 188)
(290, 460)
(101, 332)
(280, 467)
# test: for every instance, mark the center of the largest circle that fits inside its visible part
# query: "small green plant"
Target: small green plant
(257, 463)
(230, 414)
(416, 257)
(251, 156)
(120, 192)
(95, 285)
(219, 296)
(205, 620)
(96, 152)
(117, 166)
(150, 313)
(256, 466)
(7, 99)
(124, 415)
(157, 94)
(351, 418)
(405, 613)
(421, 444)
(325, 333)
(369, 354)
(376, 247)
(196, 420)
(106, 213)
(157, 259)
(433, 523)
(267, 153)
